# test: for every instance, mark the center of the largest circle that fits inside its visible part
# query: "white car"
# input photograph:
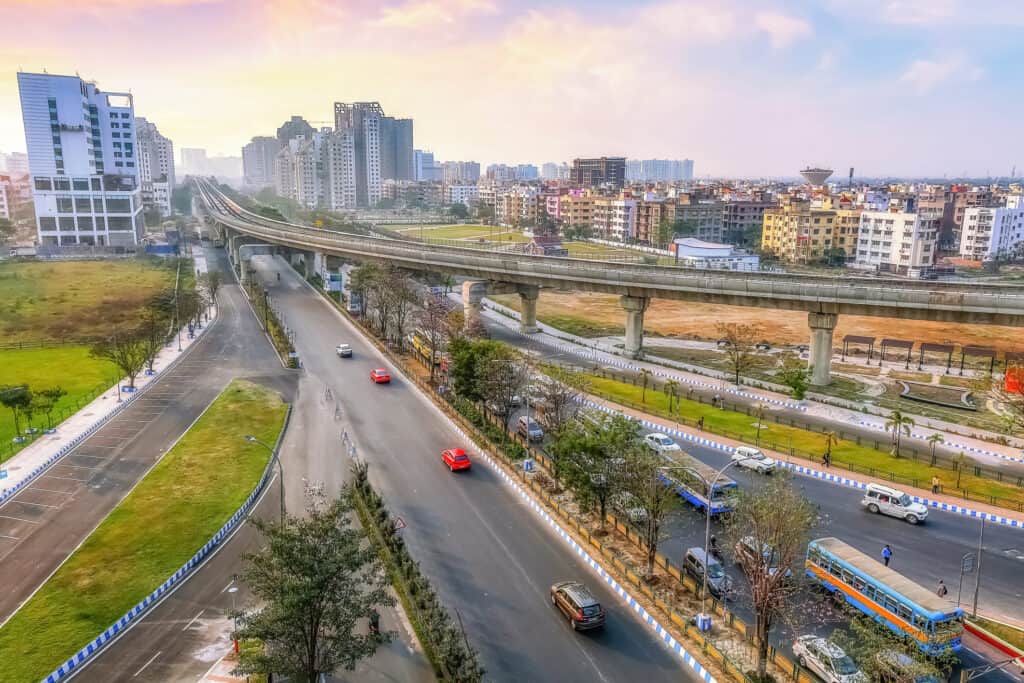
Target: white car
(660, 443)
(827, 660)
(343, 350)
(753, 459)
(893, 502)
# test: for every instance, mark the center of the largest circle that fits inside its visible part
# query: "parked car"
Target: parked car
(696, 563)
(578, 605)
(747, 547)
(456, 459)
(660, 443)
(893, 502)
(380, 376)
(827, 660)
(343, 350)
(528, 428)
(753, 459)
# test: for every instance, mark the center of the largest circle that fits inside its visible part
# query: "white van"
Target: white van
(892, 502)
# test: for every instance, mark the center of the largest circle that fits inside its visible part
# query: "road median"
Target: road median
(153, 534)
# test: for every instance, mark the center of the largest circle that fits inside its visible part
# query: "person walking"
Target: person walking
(941, 590)
(700, 424)
(886, 555)
(935, 484)
(826, 460)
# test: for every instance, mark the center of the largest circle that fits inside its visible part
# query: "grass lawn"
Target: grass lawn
(1014, 636)
(70, 367)
(910, 376)
(451, 232)
(570, 324)
(172, 512)
(856, 369)
(949, 381)
(75, 299)
(806, 444)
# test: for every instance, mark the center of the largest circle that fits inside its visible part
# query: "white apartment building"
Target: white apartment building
(992, 233)
(461, 194)
(897, 242)
(17, 164)
(6, 197)
(363, 121)
(340, 167)
(156, 166)
(258, 161)
(82, 159)
(615, 219)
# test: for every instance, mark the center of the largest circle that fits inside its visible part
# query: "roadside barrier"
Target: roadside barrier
(82, 657)
(838, 480)
(71, 445)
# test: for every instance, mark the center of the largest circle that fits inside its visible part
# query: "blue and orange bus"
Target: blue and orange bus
(690, 479)
(888, 597)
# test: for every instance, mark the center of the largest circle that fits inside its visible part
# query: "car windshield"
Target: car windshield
(904, 500)
(715, 571)
(844, 666)
(461, 456)
(592, 610)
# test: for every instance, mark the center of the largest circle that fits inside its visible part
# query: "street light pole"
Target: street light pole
(280, 468)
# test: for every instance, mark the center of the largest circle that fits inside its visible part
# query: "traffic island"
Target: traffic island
(174, 514)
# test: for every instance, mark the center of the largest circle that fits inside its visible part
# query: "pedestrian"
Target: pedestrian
(700, 424)
(374, 622)
(935, 484)
(826, 460)
(941, 590)
(716, 399)
(886, 554)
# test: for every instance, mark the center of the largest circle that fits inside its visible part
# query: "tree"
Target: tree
(899, 424)
(641, 477)
(671, 390)
(875, 649)
(503, 376)
(664, 234)
(181, 199)
(739, 340)
(459, 211)
(211, 281)
(46, 400)
(777, 518)
(361, 280)
(836, 256)
(17, 399)
(558, 394)
(152, 218)
(433, 322)
(935, 439)
(795, 375)
(683, 227)
(402, 294)
(645, 378)
(961, 462)
(1011, 399)
(315, 581)
(483, 211)
(126, 349)
(153, 332)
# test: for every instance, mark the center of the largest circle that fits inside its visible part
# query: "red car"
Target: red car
(456, 459)
(380, 376)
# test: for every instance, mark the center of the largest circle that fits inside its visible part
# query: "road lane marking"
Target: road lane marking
(42, 505)
(79, 467)
(54, 476)
(36, 488)
(19, 519)
(228, 586)
(193, 620)
(143, 668)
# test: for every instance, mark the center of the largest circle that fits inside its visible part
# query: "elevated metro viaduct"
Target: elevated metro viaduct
(823, 298)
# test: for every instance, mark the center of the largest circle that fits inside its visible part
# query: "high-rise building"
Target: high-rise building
(340, 167)
(460, 172)
(293, 128)
(527, 172)
(425, 168)
(193, 160)
(82, 158)
(989, 233)
(396, 153)
(659, 170)
(363, 119)
(549, 171)
(599, 171)
(299, 171)
(258, 161)
(156, 167)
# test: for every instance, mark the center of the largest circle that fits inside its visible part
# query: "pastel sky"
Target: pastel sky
(743, 87)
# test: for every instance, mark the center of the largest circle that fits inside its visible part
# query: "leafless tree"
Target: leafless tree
(125, 348)
(403, 295)
(211, 281)
(433, 322)
(503, 376)
(558, 393)
(769, 530)
(641, 478)
(739, 341)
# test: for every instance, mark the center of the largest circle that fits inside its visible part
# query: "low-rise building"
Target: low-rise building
(796, 232)
(989, 233)
(694, 253)
(896, 242)
(615, 218)
(461, 194)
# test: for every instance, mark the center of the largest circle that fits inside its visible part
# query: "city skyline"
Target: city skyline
(745, 89)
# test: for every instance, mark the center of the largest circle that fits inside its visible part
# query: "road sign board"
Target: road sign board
(399, 523)
(967, 563)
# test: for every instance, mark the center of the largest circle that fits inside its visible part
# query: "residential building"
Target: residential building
(516, 206)
(461, 194)
(426, 169)
(81, 145)
(573, 209)
(156, 167)
(650, 213)
(796, 232)
(527, 172)
(294, 127)
(694, 253)
(363, 119)
(339, 169)
(705, 218)
(487, 193)
(896, 241)
(456, 172)
(258, 161)
(742, 221)
(501, 173)
(17, 164)
(614, 218)
(6, 196)
(549, 171)
(595, 172)
(396, 151)
(992, 233)
(193, 160)
(965, 198)
(659, 170)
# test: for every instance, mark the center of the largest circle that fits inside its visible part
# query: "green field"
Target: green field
(76, 299)
(807, 444)
(70, 367)
(169, 515)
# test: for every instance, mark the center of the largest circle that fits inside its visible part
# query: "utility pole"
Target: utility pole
(977, 579)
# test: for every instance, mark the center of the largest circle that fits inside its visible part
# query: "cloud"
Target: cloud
(783, 29)
(419, 13)
(923, 75)
(935, 13)
(826, 62)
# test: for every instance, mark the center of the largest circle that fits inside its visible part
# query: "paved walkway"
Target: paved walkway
(26, 463)
(981, 450)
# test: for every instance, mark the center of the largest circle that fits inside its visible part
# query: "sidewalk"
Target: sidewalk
(589, 348)
(28, 462)
(808, 469)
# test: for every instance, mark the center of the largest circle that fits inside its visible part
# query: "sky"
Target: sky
(743, 87)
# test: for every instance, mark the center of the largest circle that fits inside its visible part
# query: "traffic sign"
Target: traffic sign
(967, 563)
(399, 523)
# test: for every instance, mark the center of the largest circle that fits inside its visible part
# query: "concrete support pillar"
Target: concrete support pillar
(822, 326)
(473, 292)
(635, 307)
(528, 295)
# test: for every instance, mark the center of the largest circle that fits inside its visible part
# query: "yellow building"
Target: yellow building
(797, 233)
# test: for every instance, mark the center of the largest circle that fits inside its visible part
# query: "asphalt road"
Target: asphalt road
(44, 523)
(485, 551)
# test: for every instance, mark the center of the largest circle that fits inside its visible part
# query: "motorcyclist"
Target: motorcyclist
(713, 545)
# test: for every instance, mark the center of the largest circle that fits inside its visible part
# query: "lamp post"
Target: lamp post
(234, 615)
(275, 456)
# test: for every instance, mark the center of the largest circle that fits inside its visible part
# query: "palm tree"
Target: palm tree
(645, 377)
(900, 424)
(935, 439)
(671, 388)
(830, 440)
(961, 462)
